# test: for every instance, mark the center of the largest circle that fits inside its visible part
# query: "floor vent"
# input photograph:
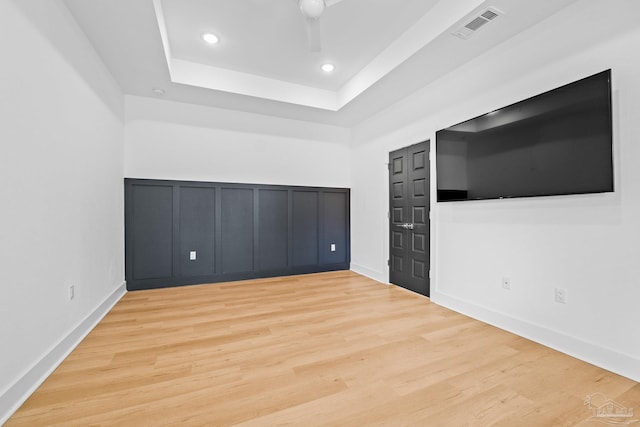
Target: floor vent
(476, 22)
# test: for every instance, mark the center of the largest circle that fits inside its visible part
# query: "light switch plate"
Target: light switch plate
(333, 247)
(192, 255)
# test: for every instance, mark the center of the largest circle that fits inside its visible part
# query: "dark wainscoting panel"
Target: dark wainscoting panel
(305, 227)
(237, 230)
(273, 226)
(182, 233)
(197, 230)
(152, 211)
(334, 213)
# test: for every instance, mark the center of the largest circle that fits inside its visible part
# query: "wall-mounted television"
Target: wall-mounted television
(556, 143)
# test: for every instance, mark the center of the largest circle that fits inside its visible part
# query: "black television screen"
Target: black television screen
(555, 143)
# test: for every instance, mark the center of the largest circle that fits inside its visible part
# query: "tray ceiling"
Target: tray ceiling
(383, 50)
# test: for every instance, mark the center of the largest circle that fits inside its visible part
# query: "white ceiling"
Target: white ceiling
(272, 38)
(383, 50)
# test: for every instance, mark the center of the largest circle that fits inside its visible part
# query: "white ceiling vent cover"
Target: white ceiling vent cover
(477, 21)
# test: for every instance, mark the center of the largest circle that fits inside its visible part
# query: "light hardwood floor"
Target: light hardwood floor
(333, 349)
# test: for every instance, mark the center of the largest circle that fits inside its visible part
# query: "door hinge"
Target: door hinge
(388, 215)
(388, 263)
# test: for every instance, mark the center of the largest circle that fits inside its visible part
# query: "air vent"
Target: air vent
(477, 21)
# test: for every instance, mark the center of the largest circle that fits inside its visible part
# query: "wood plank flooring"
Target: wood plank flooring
(329, 349)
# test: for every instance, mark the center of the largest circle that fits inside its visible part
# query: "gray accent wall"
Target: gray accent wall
(180, 232)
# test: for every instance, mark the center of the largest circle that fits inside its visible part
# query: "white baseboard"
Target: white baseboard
(18, 393)
(370, 273)
(606, 358)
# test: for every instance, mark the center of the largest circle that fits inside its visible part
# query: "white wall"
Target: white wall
(170, 140)
(61, 189)
(62, 166)
(587, 244)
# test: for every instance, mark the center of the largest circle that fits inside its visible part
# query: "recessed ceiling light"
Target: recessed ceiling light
(328, 68)
(210, 38)
(157, 91)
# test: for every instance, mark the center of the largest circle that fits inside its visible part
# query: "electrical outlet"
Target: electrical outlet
(561, 295)
(506, 283)
(333, 247)
(72, 292)
(192, 256)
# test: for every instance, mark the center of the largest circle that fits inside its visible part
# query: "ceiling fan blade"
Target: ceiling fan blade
(313, 30)
(332, 2)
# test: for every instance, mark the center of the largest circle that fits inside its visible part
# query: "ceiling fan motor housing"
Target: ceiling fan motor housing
(312, 9)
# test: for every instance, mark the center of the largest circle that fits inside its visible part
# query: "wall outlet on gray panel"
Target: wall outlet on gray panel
(192, 255)
(333, 247)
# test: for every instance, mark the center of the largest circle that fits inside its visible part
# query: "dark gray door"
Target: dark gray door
(409, 218)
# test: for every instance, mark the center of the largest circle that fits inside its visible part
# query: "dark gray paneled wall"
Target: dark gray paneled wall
(305, 230)
(273, 227)
(152, 212)
(237, 231)
(196, 230)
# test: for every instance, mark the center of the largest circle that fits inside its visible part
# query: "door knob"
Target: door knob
(406, 226)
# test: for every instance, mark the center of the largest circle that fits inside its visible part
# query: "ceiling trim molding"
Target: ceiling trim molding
(207, 76)
(164, 35)
(445, 14)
